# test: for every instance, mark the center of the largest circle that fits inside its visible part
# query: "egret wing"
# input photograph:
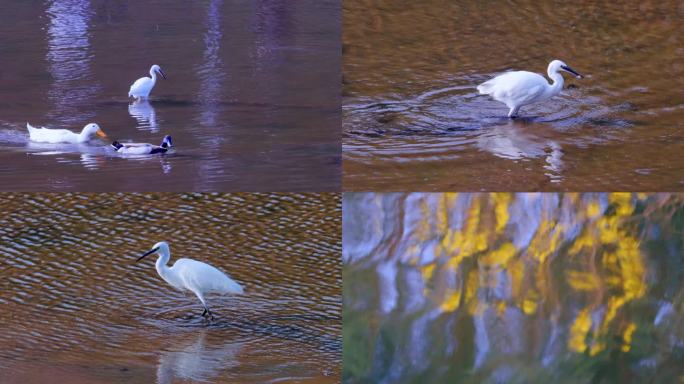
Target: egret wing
(198, 275)
(521, 87)
(139, 86)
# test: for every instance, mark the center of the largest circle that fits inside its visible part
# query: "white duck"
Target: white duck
(143, 86)
(46, 135)
(143, 148)
(519, 88)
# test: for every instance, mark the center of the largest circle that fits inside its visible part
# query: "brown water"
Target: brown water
(251, 100)
(75, 306)
(527, 288)
(412, 118)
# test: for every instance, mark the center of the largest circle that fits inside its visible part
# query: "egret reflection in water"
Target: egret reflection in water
(513, 141)
(197, 360)
(513, 287)
(143, 112)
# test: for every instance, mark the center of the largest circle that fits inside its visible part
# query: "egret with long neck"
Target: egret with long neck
(191, 275)
(519, 88)
(143, 86)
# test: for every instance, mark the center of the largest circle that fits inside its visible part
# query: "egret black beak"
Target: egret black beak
(151, 251)
(162, 73)
(568, 69)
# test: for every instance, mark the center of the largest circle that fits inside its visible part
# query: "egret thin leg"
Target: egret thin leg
(204, 303)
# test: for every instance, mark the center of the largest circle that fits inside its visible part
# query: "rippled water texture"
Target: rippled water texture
(526, 288)
(413, 119)
(252, 98)
(75, 306)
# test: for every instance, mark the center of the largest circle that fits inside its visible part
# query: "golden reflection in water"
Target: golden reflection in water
(550, 275)
(601, 240)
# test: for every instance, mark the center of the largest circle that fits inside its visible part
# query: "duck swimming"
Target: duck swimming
(143, 148)
(46, 135)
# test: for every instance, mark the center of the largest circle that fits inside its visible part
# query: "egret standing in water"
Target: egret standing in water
(143, 86)
(191, 275)
(519, 88)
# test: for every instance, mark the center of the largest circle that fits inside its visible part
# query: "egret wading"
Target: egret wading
(143, 86)
(519, 88)
(192, 275)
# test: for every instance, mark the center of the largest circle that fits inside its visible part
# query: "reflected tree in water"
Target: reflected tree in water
(512, 288)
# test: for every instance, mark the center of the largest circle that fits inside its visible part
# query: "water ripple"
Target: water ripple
(69, 266)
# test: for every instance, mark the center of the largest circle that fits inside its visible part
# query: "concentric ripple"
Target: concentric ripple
(413, 118)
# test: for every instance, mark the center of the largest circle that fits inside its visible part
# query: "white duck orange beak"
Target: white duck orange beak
(101, 134)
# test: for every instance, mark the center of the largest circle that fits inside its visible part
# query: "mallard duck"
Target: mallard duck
(143, 86)
(143, 148)
(47, 135)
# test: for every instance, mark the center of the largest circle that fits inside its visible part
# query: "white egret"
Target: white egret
(143, 86)
(191, 275)
(143, 148)
(519, 88)
(46, 135)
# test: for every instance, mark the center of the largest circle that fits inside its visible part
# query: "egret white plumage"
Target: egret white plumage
(143, 86)
(191, 275)
(54, 136)
(143, 148)
(519, 88)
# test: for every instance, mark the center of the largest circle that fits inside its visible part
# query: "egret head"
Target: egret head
(93, 129)
(161, 248)
(558, 65)
(156, 68)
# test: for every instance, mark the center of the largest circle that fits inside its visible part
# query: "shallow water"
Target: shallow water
(527, 288)
(251, 100)
(75, 305)
(412, 118)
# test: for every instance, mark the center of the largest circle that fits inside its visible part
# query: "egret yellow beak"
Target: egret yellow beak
(100, 133)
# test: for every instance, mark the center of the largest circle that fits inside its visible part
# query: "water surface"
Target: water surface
(76, 307)
(251, 100)
(525, 288)
(413, 119)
